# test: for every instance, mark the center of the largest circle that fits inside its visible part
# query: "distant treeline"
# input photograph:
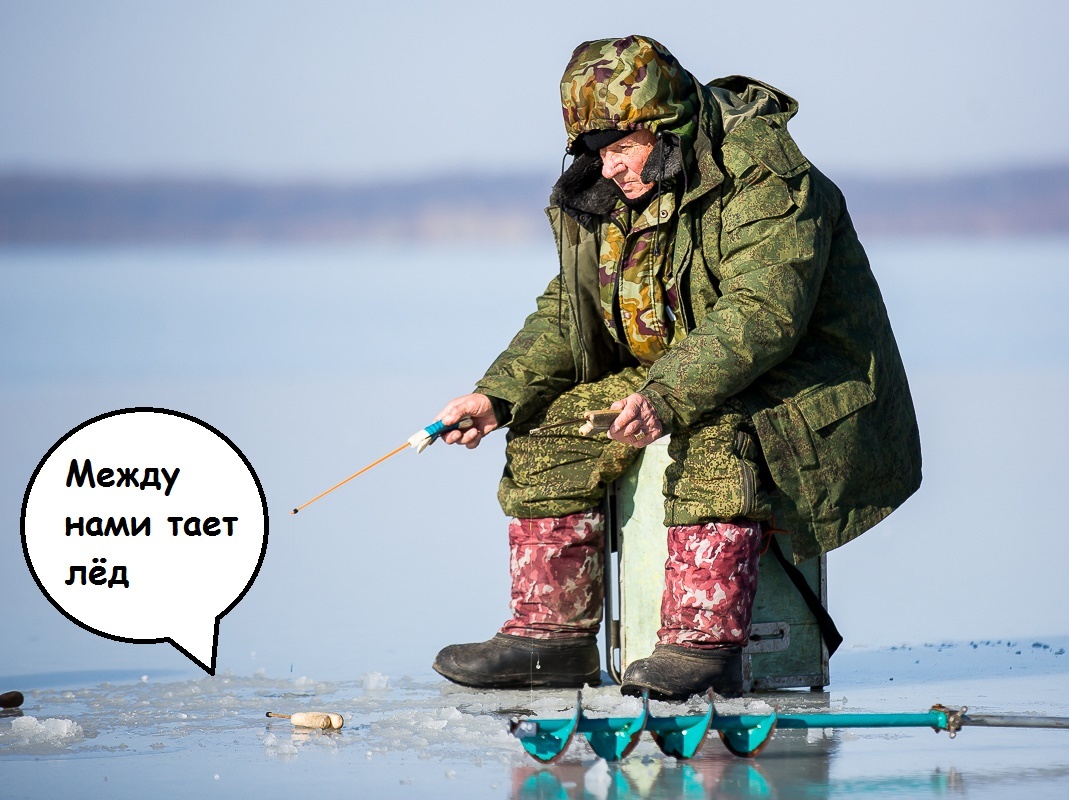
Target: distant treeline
(37, 209)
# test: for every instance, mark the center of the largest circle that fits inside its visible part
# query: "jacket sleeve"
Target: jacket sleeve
(771, 252)
(539, 363)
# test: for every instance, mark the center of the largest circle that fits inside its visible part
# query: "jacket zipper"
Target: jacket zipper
(617, 320)
(684, 271)
(749, 480)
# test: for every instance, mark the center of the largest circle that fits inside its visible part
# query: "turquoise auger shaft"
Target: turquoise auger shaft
(932, 719)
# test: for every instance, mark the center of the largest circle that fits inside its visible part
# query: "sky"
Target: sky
(334, 90)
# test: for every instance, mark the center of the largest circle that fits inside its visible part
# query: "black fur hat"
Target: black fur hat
(593, 141)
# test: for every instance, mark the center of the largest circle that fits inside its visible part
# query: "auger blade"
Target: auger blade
(680, 737)
(546, 740)
(745, 735)
(614, 737)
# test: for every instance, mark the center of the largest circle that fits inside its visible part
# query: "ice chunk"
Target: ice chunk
(375, 681)
(31, 733)
(278, 748)
(597, 781)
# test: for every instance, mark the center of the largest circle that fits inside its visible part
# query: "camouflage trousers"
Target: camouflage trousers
(554, 482)
(710, 584)
(713, 475)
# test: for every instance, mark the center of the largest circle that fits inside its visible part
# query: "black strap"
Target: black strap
(828, 632)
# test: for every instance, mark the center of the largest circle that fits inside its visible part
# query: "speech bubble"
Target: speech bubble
(146, 525)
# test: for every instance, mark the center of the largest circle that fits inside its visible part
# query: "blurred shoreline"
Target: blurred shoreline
(37, 208)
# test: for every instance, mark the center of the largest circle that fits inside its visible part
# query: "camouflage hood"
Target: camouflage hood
(626, 84)
(633, 84)
(623, 85)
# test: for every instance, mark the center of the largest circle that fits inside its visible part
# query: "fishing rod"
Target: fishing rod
(420, 441)
(745, 735)
(592, 422)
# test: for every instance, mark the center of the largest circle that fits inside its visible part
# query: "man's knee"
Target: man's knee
(714, 474)
(559, 471)
(553, 474)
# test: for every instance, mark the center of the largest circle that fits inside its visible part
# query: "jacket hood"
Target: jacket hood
(626, 85)
(739, 98)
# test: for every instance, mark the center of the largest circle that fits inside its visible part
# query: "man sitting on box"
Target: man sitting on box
(711, 286)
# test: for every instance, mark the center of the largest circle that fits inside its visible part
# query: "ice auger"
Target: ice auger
(745, 735)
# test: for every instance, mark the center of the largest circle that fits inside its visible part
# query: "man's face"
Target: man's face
(623, 160)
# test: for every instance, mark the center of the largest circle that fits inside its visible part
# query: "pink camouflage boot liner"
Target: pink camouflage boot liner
(710, 584)
(557, 565)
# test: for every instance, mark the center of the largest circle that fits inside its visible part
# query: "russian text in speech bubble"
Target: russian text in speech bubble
(146, 525)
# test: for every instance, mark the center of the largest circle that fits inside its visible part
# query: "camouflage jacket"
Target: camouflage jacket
(781, 308)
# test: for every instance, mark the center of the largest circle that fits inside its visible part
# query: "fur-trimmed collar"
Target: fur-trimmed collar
(582, 189)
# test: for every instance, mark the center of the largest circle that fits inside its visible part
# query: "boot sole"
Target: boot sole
(476, 681)
(636, 690)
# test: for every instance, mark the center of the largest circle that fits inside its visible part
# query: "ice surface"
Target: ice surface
(417, 735)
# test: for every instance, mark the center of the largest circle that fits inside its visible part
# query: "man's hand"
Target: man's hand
(476, 406)
(637, 424)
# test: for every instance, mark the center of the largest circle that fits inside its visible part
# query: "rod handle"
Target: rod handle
(598, 422)
(423, 439)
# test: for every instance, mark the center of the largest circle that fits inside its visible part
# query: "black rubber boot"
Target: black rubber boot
(520, 662)
(676, 673)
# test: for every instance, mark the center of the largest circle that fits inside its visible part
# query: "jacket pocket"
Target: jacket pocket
(805, 422)
(830, 404)
(768, 200)
(760, 229)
